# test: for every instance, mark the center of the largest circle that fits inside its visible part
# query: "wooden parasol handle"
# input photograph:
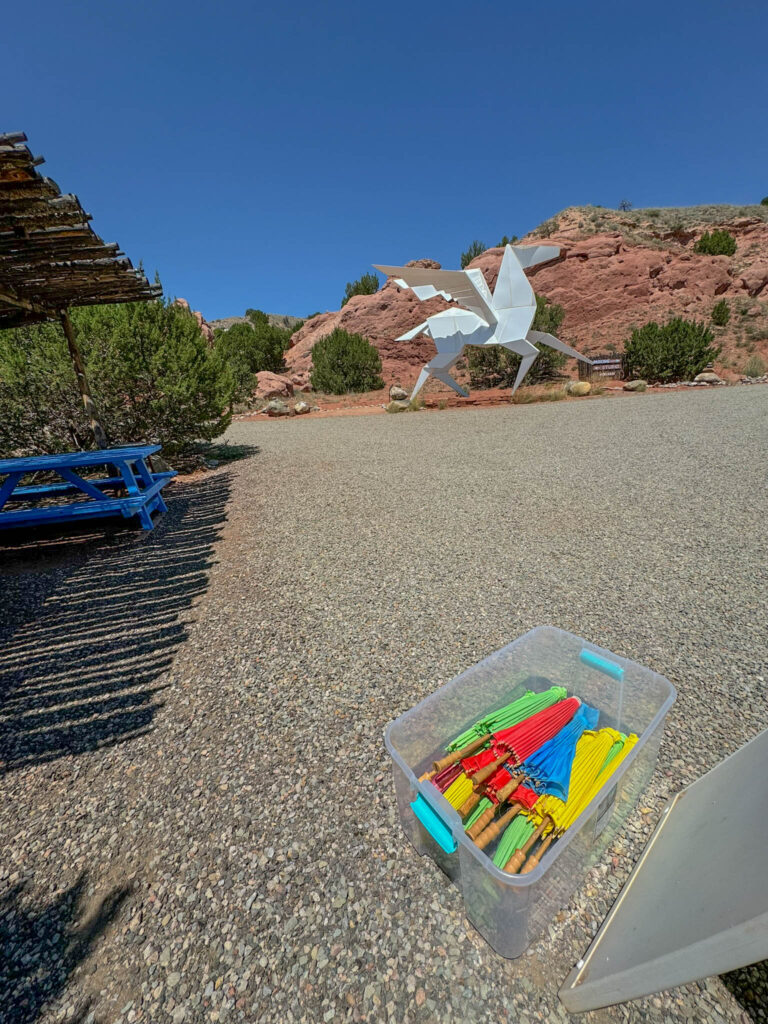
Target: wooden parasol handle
(517, 859)
(470, 803)
(427, 776)
(535, 857)
(485, 773)
(457, 755)
(478, 781)
(489, 834)
(488, 815)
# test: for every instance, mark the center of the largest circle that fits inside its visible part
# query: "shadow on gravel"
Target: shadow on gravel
(83, 644)
(40, 946)
(749, 987)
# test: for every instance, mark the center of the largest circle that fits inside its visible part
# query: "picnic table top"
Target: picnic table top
(33, 463)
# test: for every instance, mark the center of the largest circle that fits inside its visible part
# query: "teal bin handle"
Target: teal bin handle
(602, 664)
(434, 824)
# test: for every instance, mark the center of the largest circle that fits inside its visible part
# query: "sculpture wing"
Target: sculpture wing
(467, 287)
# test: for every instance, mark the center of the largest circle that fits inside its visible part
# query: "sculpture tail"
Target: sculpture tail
(541, 338)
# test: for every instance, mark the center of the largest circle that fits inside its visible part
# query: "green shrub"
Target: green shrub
(678, 350)
(764, 201)
(754, 367)
(507, 241)
(368, 284)
(496, 367)
(343, 363)
(548, 228)
(246, 349)
(721, 313)
(151, 373)
(717, 243)
(475, 249)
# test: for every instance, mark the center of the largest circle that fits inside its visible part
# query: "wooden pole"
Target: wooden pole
(82, 381)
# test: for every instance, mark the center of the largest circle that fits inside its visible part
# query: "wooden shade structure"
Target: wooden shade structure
(51, 259)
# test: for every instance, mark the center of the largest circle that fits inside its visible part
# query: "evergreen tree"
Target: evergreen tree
(343, 363)
(475, 249)
(368, 284)
(151, 372)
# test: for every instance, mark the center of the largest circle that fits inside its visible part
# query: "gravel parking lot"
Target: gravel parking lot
(198, 821)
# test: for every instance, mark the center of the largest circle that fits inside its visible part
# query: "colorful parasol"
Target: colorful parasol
(509, 715)
(519, 742)
(598, 755)
(547, 771)
(514, 838)
(482, 731)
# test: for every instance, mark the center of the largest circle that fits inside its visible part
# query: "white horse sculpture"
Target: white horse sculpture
(503, 318)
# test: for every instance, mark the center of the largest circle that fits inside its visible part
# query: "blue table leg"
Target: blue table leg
(7, 489)
(132, 486)
(146, 476)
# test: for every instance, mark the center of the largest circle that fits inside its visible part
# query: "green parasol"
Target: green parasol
(516, 836)
(510, 715)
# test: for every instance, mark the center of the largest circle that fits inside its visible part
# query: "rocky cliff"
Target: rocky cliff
(618, 271)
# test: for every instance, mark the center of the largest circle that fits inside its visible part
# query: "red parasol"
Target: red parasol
(521, 740)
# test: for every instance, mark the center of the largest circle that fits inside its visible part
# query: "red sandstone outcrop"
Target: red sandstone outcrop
(608, 283)
(205, 328)
(381, 318)
(272, 385)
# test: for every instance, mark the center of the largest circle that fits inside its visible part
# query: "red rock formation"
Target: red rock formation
(381, 318)
(272, 385)
(607, 282)
(205, 328)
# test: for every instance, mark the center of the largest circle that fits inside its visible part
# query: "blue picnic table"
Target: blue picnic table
(140, 486)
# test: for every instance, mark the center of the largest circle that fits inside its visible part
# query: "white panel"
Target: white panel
(696, 903)
(512, 286)
(533, 255)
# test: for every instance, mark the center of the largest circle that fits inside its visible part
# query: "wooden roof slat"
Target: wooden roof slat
(50, 257)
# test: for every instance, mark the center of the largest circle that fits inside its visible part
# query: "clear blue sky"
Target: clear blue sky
(265, 154)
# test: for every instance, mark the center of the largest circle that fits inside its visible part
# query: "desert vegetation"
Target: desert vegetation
(716, 243)
(246, 349)
(721, 313)
(754, 366)
(344, 363)
(677, 350)
(368, 284)
(151, 372)
(474, 249)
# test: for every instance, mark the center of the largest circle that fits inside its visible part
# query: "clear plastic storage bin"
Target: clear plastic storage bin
(510, 911)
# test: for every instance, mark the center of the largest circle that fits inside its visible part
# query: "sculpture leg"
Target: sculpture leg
(438, 367)
(528, 354)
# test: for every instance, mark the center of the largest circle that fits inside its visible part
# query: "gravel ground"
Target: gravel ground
(199, 822)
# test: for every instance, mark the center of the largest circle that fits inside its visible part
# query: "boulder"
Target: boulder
(398, 406)
(276, 408)
(707, 378)
(756, 277)
(635, 385)
(272, 385)
(397, 394)
(578, 388)
(300, 408)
